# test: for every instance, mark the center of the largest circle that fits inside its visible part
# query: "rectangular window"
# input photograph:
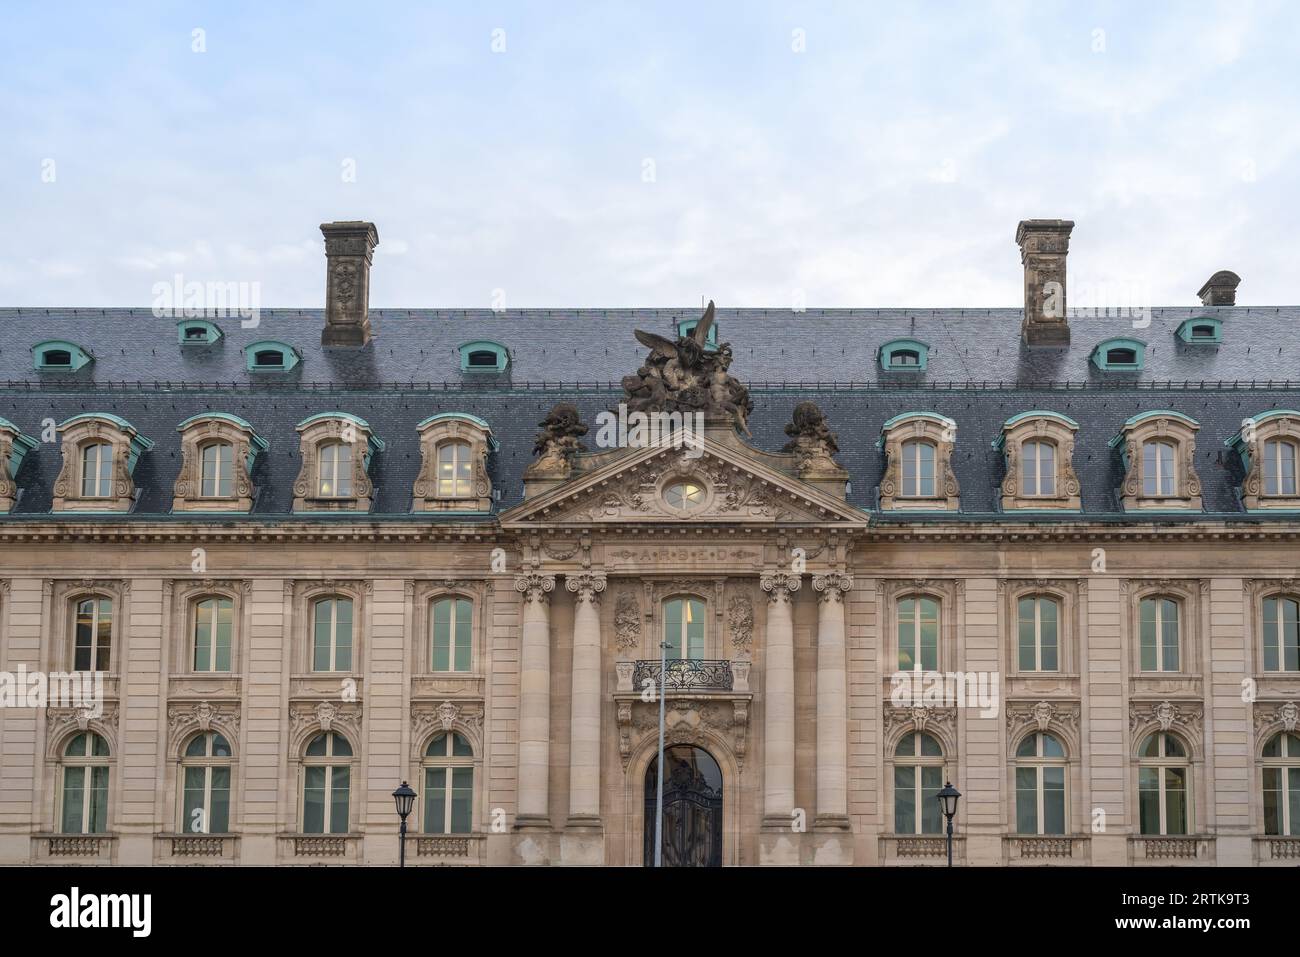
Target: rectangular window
(339, 800)
(1037, 638)
(216, 471)
(97, 471)
(92, 642)
(684, 628)
(1279, 468)
(1175, 800)
(452, 635)
(1053, 800)
(462, 799)
(1038, 469)
(74, 800)
(1026, 800)
(1157, 469)
(918, 634)
(931, 785)
(332, 635)
(212, 629)
(219, 813)
(1149, 800)
(435, 801)
(195, 818)
(1158, 634)
(1273, 798)
(1281, 634)
(313, 800)
(905, 799)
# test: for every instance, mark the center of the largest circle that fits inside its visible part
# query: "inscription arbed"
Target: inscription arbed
(684, 555)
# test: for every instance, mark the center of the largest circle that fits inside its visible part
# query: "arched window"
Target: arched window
(1281, 634)
(1038, 633)
(1040, 785)
(452, 632)
(93, 634)
(918, 469)
(96, 470)
(1158, 637)
(217, 471)
(1037, 468)
(205, 771)
(326, 784)
(918, 634)
(1162, 785)
(1279, 467)
(1158, 471)
(454, 479)
(213, 622)
(334, 470)
(85, 785)
(918, 777)
(1282, 785)
(684, 628)
(331, 634)
(448, 785)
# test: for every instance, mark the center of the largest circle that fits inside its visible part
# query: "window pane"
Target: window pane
(926, 468)
(931, 814)
(906, 634)
(1175, 800)
(904, 799)
(442, 635)
(203, 636)
(1026, 800)
(98, 800)
(694, 628)
(344, 474)
(929, 746)
(1029, 468)
(435, 801)
(1271, 634)
(224, 626)
(1047, 469)
(1273, 800)
(84, 635)
(1149, 800)
(1150, 481)
(464, 633)
(339, 800)
(1270, 467)
(1293, 801)
(1028, 653)
(1290, 635)
(673, 628)
(313, 800)
(460, 747)
(219, 816)
(74, 797)
(1052, 747)
(1147, 634)
(192, 819)
(909, 468)
(1169, 626)
(1048, 633)
(321, 644)
(104, 634)
(462, 799)
(1053, 800)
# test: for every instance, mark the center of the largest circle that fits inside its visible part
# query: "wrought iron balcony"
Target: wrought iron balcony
(685, 674)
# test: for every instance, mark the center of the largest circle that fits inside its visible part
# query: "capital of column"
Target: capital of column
(833, 586)
(779, 586)
(586, 586)
(535, 586)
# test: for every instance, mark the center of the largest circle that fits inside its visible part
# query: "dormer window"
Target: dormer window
(904, 355)
(218, 451)
(1158, 450)
(268, 356)
(1204, 330)
(100, 451)
(1269, 447)
(918, 450)
(58, 355)
(197, 332)
(454, 447)
(484, 356)
(337, 449)
(686, 326)
(1120, 355)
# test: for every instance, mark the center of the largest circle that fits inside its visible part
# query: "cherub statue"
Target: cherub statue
(558, 440)
(684, 356)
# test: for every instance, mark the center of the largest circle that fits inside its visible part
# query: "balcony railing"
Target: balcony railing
(685, 674)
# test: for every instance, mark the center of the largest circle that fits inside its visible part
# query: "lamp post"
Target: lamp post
(948, 797)
(404, 798)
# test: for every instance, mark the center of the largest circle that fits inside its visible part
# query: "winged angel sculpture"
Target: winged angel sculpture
(684, 376)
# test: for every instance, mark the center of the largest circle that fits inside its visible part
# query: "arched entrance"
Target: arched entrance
(692, 829)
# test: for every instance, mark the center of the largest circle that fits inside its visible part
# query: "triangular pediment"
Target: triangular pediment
(629, 490)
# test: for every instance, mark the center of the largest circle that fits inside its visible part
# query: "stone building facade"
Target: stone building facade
(310, 558)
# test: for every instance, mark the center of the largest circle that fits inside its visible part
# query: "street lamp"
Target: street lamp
(948, 797)
(404, 798)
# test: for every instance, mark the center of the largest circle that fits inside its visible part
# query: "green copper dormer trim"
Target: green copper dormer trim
(256, 444)
(904, 355)
(1015, 420)
(1120, 355)
(942, 420)
(1237, 441)
(493, 445)
(1160, 414)
(21, 445)
(59, 355)
(686, 326)
(271, 356)
(483, 355)
(1203, 330)
(139, 443)
(375, 442)
(197, 332)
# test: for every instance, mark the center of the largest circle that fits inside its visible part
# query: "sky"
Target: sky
(649, 154)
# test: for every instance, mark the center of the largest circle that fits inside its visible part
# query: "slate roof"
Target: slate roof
(412, 370)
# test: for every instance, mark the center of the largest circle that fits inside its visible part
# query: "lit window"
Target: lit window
(918, 777)
(1162, 785)
(1039, 622)
(1158, 468)
(454, 480)
(326, 784)
(97, 470)
(918, 469)
(212, 628)
(448, 785)
(85, 785)
(684, 496)
(1279, 467)
(684, 628)
(1158, 634)
(452, 633)
(918, 634)
(332, 635)
(334, 472)
(93, 641)
(1038, 468)
(216, 462)
(1281, 634)
(205, 806)
(1040, 785)
(1282, 785)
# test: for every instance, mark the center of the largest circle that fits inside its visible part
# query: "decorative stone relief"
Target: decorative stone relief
(184, 720)
(686, 721)
(463, 716)
(1057, 716)
(899, 721)
(1272, 717)
(627, 621)
(59, 722)
(325, 716)
(740, 620)
(1185, 716)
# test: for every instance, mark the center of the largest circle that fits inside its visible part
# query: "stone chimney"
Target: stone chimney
(1044, 244)
(349, 248)
(1220, 289)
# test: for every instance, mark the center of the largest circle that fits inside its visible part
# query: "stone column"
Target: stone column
(778, 695)
(535, 699)
(832, 702)
(584, 726)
